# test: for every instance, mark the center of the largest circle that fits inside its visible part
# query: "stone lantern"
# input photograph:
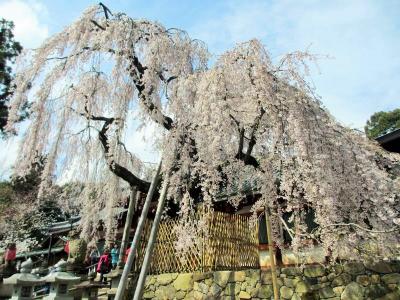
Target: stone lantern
(60, 282)
(23, 282)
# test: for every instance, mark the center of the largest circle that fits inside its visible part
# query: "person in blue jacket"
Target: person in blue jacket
(114, 256)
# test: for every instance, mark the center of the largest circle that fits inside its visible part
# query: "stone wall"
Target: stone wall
(350, 281)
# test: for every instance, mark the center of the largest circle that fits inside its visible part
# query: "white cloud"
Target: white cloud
(27, 16)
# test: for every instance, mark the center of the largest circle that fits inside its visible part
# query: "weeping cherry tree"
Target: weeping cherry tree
(243, 119)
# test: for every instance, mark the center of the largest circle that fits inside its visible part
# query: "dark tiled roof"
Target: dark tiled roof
(390, 141)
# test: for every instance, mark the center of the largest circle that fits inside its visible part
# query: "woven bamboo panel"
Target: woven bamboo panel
(165, 259)
(229, 243)
(142, 246)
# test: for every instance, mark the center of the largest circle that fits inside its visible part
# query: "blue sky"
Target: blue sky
(362, 37)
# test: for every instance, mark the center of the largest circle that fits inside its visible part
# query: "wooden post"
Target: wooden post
(150, 245)
(271, 255)
(128, 223)
(136, 239)
(49, 250)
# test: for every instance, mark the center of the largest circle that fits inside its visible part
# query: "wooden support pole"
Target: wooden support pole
(128, 223)
(49, 250)
(136, 239)
(271, 255)
(150, 245)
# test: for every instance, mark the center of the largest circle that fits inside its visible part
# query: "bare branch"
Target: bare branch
(97, 24)
(106, 10)
(393, 229)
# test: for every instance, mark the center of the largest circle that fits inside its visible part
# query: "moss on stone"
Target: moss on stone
(183, 282)
(314, 271)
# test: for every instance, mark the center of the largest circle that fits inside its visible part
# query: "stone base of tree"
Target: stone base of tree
(350, 281)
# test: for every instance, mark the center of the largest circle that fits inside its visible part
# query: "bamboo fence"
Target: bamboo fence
(229, 242)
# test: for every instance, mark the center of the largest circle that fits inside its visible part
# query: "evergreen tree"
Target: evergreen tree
(382, 122)
(9, 50)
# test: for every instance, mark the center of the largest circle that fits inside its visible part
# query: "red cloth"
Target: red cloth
(10, 254)
(103, 261)
(66, 247)
(127, 251)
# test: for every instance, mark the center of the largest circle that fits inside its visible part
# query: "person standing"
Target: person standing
(94, 256)
(11, 254)
(103, 266)
(114, 256)
(127, 251)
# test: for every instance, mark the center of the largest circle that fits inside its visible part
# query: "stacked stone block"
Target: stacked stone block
(349, 281)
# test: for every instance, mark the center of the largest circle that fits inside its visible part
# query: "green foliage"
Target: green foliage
(21, 189)
(33, 224)
(22, 221)
(30, 182)
(21, 218)
(382, 123)
(6, 193)
(9, 50)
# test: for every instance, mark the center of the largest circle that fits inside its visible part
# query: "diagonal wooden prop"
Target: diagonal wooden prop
(135, 243)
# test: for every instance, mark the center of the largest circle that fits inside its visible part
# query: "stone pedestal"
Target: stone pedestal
(114, 277)
(88, 289)
(111, 293)
(23, 283)
(60, 283)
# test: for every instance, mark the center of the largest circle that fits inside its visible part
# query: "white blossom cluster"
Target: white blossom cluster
(243, 120)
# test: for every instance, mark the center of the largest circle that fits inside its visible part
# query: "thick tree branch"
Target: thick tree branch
(116, 168)
(97, 24)
(136, 72)
(241, 142)
(253, 140)
(106, 10)
(247, 159)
